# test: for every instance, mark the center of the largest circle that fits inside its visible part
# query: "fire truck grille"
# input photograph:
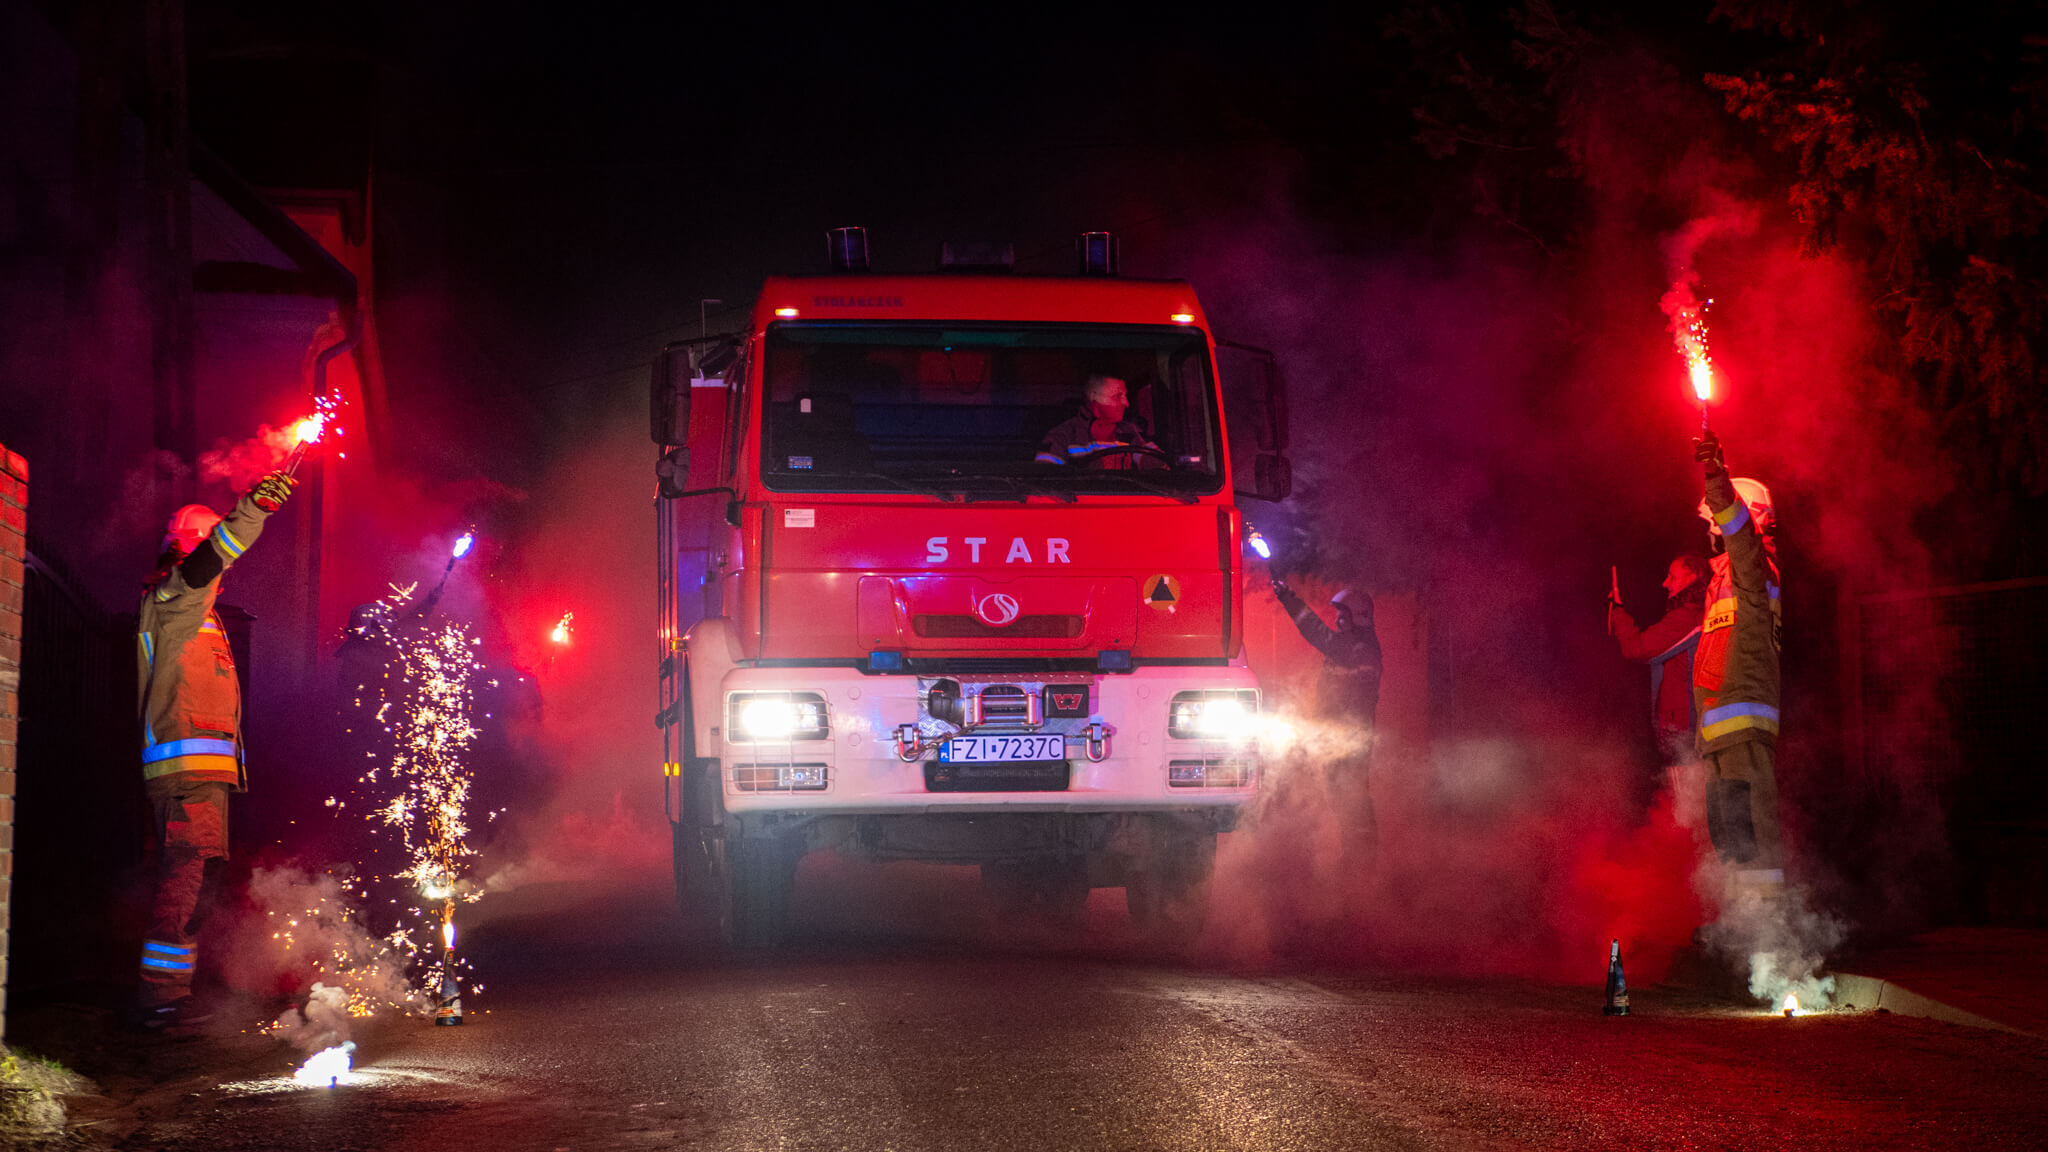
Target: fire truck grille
(967, 627)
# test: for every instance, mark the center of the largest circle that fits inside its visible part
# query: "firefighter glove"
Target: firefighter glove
(1707, 449)
(272, 491)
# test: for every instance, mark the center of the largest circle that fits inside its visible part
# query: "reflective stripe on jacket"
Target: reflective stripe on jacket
(190, 699)
(1075, 436)
(1735, 671)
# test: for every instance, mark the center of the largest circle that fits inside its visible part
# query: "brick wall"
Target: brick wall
(13, 574)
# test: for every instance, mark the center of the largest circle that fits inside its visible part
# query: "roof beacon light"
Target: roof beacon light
(1098, 253)
(785, 313)
(1182, 317)
(848, 249)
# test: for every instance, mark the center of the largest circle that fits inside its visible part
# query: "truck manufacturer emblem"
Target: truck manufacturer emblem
(996, 609)
(1066, 700)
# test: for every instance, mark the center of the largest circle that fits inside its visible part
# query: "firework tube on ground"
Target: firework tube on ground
(449, 1010)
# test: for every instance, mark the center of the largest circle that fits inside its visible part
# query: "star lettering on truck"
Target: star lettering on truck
(943, 550)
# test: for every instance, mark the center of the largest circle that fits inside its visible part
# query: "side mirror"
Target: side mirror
(668, 392)
(1272, 477)
(672, 473)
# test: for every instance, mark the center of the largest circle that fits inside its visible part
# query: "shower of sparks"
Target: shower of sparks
(416, 790)
(307, 431)
(1687, 315)
(1689, 332)
(427, 775)
(562, 630)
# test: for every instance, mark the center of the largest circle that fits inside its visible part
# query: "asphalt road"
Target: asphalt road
(599, 1029)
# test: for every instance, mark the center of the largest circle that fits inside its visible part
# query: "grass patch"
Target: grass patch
(31, 1095)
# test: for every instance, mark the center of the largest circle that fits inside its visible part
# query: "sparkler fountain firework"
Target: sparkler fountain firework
(419, 795)
(429, 778)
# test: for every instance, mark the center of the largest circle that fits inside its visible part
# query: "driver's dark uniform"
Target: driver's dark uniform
(1082, 433)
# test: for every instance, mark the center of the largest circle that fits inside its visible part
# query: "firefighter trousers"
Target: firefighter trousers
(191, 833)
(1742, 805)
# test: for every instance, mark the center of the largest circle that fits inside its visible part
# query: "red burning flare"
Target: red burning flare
(1688, 317)
(561, 633)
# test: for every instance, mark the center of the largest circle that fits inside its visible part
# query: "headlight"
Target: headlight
(1216, 715)
(777, 716)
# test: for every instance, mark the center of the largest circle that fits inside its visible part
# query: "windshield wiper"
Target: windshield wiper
(947, 494)
(1029, 489)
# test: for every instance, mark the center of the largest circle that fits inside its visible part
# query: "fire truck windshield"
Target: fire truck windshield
(993, 410)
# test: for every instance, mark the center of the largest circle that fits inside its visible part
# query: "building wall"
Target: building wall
(13, 578)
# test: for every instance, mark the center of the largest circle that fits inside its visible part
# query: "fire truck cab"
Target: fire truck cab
(919, 601)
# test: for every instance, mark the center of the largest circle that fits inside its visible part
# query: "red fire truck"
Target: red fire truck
(896, 625)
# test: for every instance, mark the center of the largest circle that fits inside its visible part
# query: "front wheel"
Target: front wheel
(760, 879)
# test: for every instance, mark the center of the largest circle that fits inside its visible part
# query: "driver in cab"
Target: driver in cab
(1098, 436)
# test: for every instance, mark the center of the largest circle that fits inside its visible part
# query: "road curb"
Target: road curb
(1870, 994)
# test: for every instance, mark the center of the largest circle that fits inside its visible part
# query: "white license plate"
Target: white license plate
(981, 749)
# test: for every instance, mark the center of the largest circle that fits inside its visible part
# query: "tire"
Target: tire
(760, 877)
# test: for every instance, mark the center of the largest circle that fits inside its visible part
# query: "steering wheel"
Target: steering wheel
(1123, 450)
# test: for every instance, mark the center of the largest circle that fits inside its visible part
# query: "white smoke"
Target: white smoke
(321, 1022)
(315, 933)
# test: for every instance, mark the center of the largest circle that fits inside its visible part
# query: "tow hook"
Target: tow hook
(908, 745)
(1098, 742)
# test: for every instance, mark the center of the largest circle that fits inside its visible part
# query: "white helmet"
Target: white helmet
(1754, 494)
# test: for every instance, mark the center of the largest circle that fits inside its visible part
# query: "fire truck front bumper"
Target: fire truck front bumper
(825, 740)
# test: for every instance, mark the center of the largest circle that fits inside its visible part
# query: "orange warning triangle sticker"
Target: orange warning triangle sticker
(1161, 589)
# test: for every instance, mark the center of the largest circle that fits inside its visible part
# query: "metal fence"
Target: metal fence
(1947, 690)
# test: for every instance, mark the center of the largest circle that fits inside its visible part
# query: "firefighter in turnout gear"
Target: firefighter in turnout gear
(1666, 645)
(1347, 700)
(1735, 678)
(191, 713)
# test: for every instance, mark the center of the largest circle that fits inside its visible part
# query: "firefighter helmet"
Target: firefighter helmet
(189, 525)
(366, 617)
(1353, 601)
(1754, 494)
